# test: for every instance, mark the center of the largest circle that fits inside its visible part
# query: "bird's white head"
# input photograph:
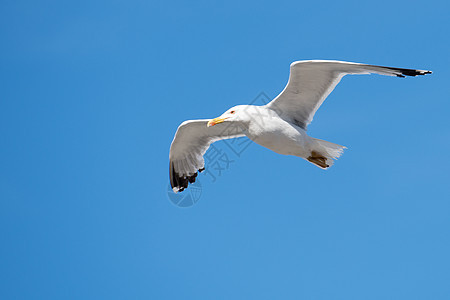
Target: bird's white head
(234, 114)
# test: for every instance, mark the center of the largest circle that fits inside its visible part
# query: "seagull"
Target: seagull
(280, 125)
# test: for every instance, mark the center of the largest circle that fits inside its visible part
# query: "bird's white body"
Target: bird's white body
(279, 126)
(270, 130)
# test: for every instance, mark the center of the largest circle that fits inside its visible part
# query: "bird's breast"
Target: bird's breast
(279, 136)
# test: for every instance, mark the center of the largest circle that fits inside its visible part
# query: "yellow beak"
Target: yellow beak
(216, 121)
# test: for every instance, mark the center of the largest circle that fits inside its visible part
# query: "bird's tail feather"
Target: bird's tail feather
(324, 153)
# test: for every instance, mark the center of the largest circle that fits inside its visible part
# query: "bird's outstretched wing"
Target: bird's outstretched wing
(311, 81)
(191, 141)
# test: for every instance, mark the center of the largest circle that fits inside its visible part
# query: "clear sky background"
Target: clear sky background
(92, 92)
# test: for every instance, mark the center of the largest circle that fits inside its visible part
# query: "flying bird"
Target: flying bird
(280, 125)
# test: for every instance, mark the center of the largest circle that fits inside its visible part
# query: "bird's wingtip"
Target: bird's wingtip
(410, 72)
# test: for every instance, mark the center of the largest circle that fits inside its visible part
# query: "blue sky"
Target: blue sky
(92, 93)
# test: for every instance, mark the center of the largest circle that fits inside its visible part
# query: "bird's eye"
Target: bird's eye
(232, 112)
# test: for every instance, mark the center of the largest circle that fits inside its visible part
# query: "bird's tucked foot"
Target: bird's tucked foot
(318, 159)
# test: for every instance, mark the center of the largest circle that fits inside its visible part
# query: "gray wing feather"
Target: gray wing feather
(190, 143)
(311, 81)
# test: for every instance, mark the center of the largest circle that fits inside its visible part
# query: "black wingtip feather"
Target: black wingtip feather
(181, 182)
(407, 72)
(411, 72)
